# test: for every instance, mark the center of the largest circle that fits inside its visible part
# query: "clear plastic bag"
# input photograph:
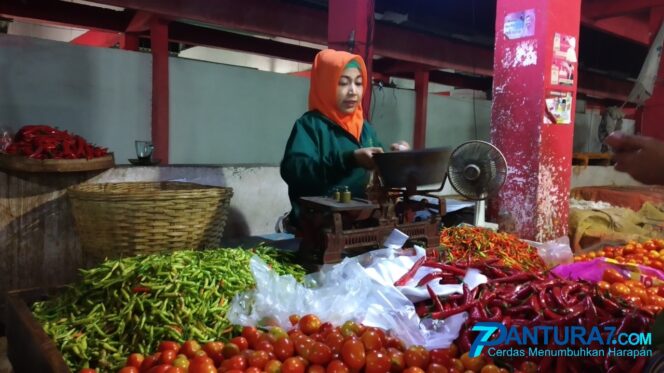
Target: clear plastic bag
(554, 252)
(6, 138)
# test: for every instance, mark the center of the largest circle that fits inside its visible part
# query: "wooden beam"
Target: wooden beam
(599, 9)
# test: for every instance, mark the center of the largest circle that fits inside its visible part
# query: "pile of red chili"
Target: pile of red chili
(531, 300)
(45, 142)
(473, 243)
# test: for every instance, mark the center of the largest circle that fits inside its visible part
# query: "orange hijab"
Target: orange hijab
(327, 69)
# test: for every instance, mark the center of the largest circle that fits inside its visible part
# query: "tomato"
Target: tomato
(293, 365)
(169, 345)
(273, 366)
(201, 368)
(490, 368)
(440, 356)
(350, 328)
(436, 368)
(653, 309)
(397, 362)
(372, 340)
(326, 328)
(252, 370)
(303, 346)
(230, 349)
(620, 290)
(174, 369)
(353, 353)
(310, 324)
(612, 276)
(167, 357)
(181, 361)
(413, 370)
(603, 285)
(267, 337)
(87, 370)
(472, 363)
(265, 346)
(129, 369)
(135, 360)
(214, 350)
(240, 342)
(503, 370)
(149, 362)
(320, 353)
(377, 362)
(294, 319)
(336, 366)
(394, 342)
(416, 356)
(258, 359)
(251, 334)
(656, 300)
(283, 348)
(161, 368)
(315, 369)
(335, 340)
(189, 348)
(238, 362)
(529, 367)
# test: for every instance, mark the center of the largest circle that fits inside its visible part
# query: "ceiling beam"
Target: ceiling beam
(94, 38)
(599, 9)
(66, 13)
(632, 28)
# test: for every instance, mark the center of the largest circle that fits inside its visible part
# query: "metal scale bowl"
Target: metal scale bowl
(332, 229)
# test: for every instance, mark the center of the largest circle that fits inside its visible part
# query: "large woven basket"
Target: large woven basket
(125, 219)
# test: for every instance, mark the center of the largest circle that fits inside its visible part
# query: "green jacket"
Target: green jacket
(319, 157)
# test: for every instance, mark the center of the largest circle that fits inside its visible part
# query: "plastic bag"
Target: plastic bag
(554, 252)
(6, 139)
(345, 291)
(593, 271)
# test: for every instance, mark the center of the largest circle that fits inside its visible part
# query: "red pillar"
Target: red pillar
(160, 93)
(421, 95)
(129, 42)
(350, 26)
(532, 117)
(652, 114)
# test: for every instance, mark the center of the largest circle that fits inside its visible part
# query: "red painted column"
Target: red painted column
(350, 26)
(652, 114)
(160, 92)
(534, 89)
(129, 42)
(421, 96)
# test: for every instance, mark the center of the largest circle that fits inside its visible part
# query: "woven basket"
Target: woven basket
(125, 219)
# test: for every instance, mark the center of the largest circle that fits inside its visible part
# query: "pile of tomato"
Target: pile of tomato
(649, 253)
(645, 296)
(309, 347)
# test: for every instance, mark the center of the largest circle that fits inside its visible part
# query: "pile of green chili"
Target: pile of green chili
(131, 304)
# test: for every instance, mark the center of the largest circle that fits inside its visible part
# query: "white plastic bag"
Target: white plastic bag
(554, 252)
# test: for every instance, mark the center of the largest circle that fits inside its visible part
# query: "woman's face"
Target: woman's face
(349, 90)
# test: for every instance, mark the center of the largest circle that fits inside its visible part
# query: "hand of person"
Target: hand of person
(640, 156)
(400, 146)
(364, 157)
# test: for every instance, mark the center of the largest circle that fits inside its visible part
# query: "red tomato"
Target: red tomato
(490, 368)
(372, 340)
(181, 361)
(176, 370)
(161, 368)
(273, 366)
(320, 353)
(252, 335)
(335, 340)
(240, 342)
(315, 369)
(265, 346)
(326, 328)
(353, 353)
(436, 368)
(394, 342)
(189, 348)
(293, 365)
(350, 328)
(310, 324)
(456, 364)
(303, 346)
(258, 359)
(473, 363)
(277, 332)
(129, 369)
(336, 366)
(397, 362)
(441, 356)
(284, 348)
(135, 360)
(377, 362)
(416, 356)
(149, 362)
(167, 357)
(529, 367)
(253, 370)
(238, 362)
(87, 370)
(413, 370)
(169, 345)
(294, 319)
(214, 351)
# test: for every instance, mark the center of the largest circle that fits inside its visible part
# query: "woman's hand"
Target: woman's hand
(641, 157)
(364, 157)
(400, 146)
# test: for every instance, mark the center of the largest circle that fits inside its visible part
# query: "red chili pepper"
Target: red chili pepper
(430, 277)
(453, 311)
(409, 275)
(435, 299)
(140, 289)
(445, 267)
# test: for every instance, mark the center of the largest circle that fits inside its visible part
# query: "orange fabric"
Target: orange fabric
(327, 69)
